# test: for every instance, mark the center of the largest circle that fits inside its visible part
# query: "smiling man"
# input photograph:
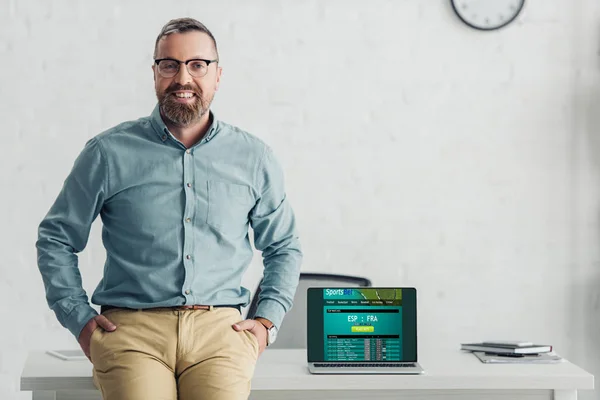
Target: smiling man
(177, 193)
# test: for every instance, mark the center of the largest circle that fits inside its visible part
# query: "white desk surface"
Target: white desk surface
(446, 369)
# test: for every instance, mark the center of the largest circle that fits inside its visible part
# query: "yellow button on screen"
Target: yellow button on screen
(359, 328)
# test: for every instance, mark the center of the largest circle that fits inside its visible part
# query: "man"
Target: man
(177, 192)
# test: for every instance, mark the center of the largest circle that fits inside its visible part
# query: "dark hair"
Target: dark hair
(181, 25)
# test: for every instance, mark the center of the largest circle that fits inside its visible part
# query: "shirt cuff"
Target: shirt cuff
(271, 310)
(78, 318)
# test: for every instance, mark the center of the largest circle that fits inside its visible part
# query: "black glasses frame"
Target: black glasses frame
(208, 62)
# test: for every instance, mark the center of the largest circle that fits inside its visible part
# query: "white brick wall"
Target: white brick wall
(417, 151)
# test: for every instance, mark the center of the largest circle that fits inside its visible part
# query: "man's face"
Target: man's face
(185, 111)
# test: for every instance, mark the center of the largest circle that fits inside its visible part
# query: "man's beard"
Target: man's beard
(183, 114)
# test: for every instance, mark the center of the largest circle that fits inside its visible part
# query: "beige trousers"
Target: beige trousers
(173, 355)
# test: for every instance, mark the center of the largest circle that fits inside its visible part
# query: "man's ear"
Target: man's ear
(218, 80)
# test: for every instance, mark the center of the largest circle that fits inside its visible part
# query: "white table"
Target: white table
(282, 374)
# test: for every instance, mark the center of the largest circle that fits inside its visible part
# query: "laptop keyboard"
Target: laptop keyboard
(365, 365)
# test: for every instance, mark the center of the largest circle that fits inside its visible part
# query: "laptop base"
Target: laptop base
(414, 369)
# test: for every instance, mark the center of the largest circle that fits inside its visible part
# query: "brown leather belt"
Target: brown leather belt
(174, 308)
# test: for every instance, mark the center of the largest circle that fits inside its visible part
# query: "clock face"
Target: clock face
(487, 14)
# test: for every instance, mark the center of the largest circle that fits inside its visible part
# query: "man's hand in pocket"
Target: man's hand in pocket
(98, 322)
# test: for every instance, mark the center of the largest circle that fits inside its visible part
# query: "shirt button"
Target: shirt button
(164, 137)
(189, 184)
(188, 151)
(188, 256)
(188, 220)
(188, 291)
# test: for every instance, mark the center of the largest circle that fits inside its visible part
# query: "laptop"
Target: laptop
(362, 330)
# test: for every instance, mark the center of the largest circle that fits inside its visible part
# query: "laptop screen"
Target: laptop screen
(362, 324)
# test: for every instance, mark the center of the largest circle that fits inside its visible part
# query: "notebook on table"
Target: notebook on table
(507, 348)
(362, 331)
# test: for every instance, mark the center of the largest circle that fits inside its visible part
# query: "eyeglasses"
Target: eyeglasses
(169, 67)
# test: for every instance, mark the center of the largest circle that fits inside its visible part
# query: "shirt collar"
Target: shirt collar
(163, 133)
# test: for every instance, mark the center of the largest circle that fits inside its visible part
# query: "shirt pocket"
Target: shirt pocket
(228, 207)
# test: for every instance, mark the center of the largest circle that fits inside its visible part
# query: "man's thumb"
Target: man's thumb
(105, 323)
(244, 325)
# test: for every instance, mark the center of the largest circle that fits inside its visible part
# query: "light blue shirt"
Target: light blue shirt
(175, 223)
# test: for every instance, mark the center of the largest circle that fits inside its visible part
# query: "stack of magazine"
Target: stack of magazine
(512, 352)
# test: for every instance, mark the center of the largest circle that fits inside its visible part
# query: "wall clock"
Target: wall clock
(487, 15)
